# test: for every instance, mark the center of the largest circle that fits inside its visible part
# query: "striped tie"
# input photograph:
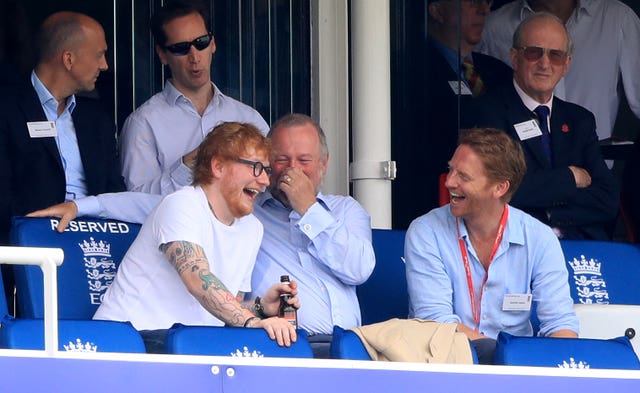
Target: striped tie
(473, 78)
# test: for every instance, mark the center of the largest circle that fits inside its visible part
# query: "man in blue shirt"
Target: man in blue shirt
(159, 140)
(481, 263)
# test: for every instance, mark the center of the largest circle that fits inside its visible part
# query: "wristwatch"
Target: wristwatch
(258, 308)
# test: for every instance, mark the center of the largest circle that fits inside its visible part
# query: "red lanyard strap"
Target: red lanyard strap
(475, 307)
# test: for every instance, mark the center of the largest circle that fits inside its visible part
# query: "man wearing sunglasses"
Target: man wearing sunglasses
(322, 241)
(607, 51)
(567, 185)
(447, 74)
(159, 140)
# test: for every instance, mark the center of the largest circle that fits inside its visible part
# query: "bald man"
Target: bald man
(55, 146)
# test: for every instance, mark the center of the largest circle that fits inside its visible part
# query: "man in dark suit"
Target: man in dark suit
(567, 184)
(55, 146)
(444, 86)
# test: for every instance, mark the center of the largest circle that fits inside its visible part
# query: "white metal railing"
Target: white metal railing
(48, 259)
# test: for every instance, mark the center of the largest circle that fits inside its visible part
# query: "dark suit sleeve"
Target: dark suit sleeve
(597, 203)
(96, 135)
(555, 189)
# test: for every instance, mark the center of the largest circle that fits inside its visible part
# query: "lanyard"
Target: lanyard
(467, 268)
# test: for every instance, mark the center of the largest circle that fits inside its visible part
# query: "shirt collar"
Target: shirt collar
(452, 57)
(172, 94)
(46, 98)
(588, 7)
(529, 102)
(511, 232)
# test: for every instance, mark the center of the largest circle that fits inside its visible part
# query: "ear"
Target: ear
(435, 11)
(217, 167)
(212, 44)
(566, 65)
(323, 165)
(67, 59)
(513, 53)
(161, 55)
(501, 188)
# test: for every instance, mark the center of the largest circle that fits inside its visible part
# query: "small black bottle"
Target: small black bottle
(286, 310)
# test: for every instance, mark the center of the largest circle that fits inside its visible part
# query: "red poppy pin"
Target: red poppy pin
(565, 128)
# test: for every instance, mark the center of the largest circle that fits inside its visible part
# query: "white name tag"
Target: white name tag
(516, 302)
(527, 129)
(42, 129)
(460, 88)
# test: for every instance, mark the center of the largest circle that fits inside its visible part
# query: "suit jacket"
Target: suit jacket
(548, 190)
(426, 135)
(31, 172)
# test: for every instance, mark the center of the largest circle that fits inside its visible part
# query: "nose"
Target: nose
(449, 181)
(194, 54)
(263, 179)
(103, 64)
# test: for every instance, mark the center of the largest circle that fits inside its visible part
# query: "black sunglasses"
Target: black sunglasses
(258, 167)
(182, 48)
(534, 53)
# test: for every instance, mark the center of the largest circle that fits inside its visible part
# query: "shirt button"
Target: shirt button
(306, 227)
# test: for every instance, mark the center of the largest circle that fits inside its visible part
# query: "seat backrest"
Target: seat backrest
(443, 194)
(73, 335)
(347, 345)
(232, 341)
(93, 250)
(610, 320)
(615, 353)
(601, 272)
(384, 295)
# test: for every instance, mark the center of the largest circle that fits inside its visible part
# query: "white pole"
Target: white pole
(48, 259)
(371, 170)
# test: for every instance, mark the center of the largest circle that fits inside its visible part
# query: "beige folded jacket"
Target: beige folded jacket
(415, 340)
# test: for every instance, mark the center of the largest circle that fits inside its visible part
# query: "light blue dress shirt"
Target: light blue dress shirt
(529, 260)
(65, 140)
(166, 127)
(327, 251)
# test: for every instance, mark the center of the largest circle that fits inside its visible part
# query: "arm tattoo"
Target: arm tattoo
(183, 255)
(188, 259)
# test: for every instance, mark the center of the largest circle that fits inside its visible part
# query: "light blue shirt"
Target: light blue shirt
(166, 127)
(328, 251)
(529, 260)
(65, 140)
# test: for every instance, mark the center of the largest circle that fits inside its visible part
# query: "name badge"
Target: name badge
(527, 129)
(460, 88)
(516, 302)
(42, 129)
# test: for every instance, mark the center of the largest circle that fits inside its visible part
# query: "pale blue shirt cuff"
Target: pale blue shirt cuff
(88, 206)
(315, 220)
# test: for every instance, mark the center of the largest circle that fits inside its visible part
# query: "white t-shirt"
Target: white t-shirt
(148, 291)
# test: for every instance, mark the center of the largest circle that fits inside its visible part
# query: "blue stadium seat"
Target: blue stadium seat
(73, 335)
(347, 345)
(93, 249)
(384, 295)
(4, 307)
(232, 341)
(603, 272)
(565, 352)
